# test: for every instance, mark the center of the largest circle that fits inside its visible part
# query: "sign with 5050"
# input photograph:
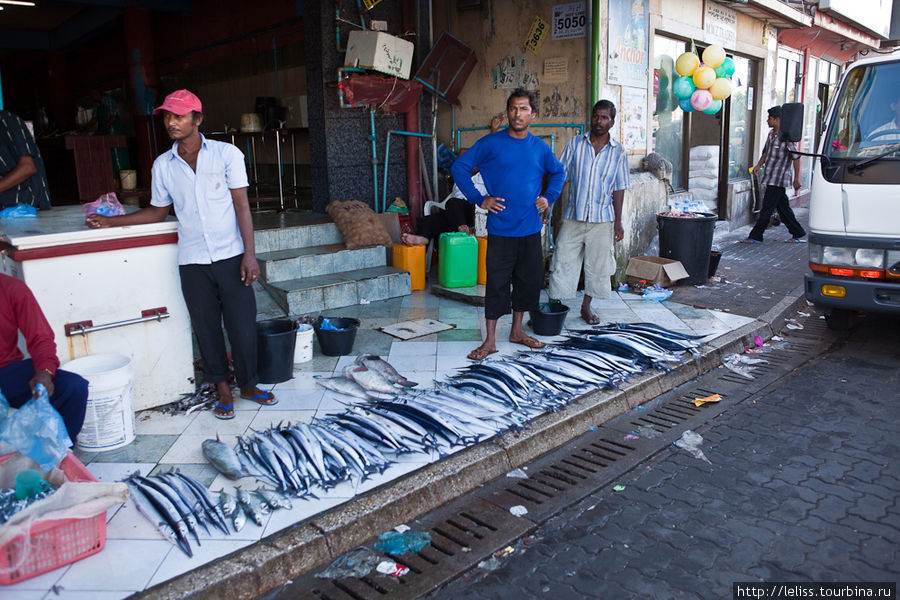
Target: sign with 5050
(569, 21)
(536, 35)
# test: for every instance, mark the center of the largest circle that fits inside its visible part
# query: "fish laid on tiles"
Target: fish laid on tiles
(376, 363)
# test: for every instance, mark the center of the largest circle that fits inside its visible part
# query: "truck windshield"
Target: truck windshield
(866, 120)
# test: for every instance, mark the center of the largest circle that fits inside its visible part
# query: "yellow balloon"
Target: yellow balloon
(687, 63)
(704, 77)
(721, 88)
(713, 56)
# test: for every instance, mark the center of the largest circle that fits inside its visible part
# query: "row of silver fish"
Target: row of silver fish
(294, 458)
(370, 377)
(10, 504)
(177, 505)
(253, 505)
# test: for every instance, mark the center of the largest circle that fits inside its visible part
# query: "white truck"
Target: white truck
(854, 207)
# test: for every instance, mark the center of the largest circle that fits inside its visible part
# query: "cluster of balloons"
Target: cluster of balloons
(703, 85)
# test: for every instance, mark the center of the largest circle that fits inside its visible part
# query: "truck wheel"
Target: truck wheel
(839, 319)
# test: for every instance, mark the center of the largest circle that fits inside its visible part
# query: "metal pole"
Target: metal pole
(278, 159)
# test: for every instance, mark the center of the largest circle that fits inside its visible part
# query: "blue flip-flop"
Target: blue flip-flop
(750, 241)
(261, 399)
(226, 416)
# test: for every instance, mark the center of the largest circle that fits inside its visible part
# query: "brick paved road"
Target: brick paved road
(803, 486)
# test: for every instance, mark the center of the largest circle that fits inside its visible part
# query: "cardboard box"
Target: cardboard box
(654, 269)
(379, 51)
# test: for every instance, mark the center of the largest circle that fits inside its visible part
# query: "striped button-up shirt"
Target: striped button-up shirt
(778, 168)
(593, 178)
(15, 142)
(207, 225)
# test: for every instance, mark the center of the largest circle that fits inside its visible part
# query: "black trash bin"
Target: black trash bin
(688, 240)
(339, 341)
(275, 341)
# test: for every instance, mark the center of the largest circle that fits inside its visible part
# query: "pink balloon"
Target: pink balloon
(701, 99)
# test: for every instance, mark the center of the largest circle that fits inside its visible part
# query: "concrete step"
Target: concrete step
(336, 290)
(299, 236)
(311, 261)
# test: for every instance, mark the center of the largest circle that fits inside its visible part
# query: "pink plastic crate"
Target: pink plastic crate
(55, 543)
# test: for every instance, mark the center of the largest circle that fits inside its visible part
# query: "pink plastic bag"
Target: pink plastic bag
(106, 205)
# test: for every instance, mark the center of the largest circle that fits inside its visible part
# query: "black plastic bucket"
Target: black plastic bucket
(549, 319)
(714, 258)
(337, 342)
(688, 240)
(275, 341)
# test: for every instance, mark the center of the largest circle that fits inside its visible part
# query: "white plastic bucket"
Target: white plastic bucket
(109, 419)
(303, 349)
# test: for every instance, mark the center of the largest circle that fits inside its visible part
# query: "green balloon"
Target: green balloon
(714, 107)
(683, 87)
(726, 69)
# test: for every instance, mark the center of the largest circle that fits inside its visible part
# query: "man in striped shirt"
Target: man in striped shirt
(597, 172)
(780, 164)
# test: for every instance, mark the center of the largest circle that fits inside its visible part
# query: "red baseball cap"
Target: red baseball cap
(180, 102)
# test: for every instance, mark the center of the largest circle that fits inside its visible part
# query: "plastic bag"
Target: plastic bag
(656, 293)
(106, 205)
(392, 542)
(18, 211)
(356, 563)
(691, 441)
(37, 431)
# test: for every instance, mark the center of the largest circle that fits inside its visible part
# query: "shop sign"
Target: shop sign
(569, 21)
(720, 25)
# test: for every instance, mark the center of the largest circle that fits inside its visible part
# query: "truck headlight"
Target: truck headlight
(869, 257)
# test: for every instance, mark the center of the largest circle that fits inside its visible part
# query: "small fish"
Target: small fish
(239, 519)
(376, 363)
(274, 499)
(254, 508)
(227, 503)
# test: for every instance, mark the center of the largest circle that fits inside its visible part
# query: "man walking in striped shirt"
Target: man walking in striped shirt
(597, 172)
(781, 168)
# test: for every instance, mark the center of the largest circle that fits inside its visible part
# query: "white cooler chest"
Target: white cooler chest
(108, 291)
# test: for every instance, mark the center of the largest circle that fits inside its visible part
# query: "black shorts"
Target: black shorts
(515, 260)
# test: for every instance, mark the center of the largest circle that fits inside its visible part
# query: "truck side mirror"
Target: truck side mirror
(791, 129)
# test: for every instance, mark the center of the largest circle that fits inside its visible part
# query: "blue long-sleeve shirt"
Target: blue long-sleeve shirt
(512, 169)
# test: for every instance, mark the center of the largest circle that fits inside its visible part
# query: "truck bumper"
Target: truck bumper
(866, 296)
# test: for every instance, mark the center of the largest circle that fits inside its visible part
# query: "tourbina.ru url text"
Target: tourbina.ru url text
(793, 589)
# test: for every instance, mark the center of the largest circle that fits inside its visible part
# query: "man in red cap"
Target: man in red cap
(206, 181)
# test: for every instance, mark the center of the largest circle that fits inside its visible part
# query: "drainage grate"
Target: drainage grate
(461, 536)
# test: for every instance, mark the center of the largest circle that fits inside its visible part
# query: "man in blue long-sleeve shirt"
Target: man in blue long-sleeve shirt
(512, 163)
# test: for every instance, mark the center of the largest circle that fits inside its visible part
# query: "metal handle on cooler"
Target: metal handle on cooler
(86, 327)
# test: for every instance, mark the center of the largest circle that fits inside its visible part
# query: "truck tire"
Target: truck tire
(839, 319)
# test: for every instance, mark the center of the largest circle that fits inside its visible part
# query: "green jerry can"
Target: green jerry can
(457, 260)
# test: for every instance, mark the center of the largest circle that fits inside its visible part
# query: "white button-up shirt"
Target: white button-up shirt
(593, 178)
(207, 225)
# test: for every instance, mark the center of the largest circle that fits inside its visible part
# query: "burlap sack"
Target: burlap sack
(358, 224)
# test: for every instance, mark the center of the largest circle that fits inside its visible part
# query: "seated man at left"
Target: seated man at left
(68, 392)
(23, 179)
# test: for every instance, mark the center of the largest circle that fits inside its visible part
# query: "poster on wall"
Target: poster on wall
(628, 42)
(568, 21)
(536, 35)
(633, 114)
(512, 71)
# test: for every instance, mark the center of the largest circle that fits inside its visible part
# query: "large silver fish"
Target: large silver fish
(223, 458)
(369, 379)
(376, 363)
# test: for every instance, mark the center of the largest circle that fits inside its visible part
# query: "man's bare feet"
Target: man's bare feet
(481, 352)
(410, 239)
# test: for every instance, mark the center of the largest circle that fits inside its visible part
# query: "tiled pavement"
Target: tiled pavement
(136, 557)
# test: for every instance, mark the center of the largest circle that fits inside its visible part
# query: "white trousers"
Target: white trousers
(580, 243)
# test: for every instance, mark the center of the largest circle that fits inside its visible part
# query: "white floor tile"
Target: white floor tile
(129, 524)
(303, 380)
(188, 448)
(156, 422)
(303, 509)
(64, 594)
(271, 418)
(207, 424)
(177, 563)
(41, 582)
(109, 472)
(125, 565)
